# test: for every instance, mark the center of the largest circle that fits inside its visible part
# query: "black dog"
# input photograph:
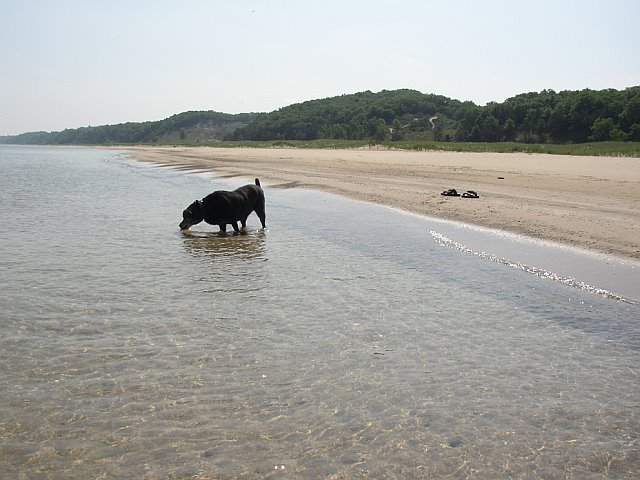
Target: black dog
(221, 208)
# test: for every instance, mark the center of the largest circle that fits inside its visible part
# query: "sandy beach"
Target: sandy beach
(587, 202)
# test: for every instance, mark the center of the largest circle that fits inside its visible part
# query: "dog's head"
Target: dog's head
(191, 215)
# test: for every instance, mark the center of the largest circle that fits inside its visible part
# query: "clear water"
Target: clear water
(343, 342)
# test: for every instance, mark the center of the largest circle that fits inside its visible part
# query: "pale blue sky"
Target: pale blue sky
(72, 63)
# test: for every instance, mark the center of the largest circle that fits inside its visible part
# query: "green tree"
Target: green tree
(605, 129)
(509, 131)
(584, 112)
(631, 112)
(438, 133)
(490, 129)
(378, 129)
(396, 131)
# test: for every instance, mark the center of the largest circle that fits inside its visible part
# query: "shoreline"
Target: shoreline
(592, 203)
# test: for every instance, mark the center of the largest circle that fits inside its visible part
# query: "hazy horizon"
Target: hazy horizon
(71, 64)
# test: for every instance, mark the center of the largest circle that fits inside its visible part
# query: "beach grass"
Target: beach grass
(615, 149)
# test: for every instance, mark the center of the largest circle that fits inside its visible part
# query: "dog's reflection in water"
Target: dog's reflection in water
(249, 243)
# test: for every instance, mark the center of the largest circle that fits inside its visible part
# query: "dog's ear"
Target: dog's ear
(196, 206)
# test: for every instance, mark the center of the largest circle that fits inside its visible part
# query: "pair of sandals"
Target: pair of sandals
(452, 192)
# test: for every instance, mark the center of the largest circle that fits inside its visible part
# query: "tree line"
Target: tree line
(538, 117)
(198, 125)
(544, 117)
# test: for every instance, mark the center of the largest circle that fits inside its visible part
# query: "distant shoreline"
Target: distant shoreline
(587, 202)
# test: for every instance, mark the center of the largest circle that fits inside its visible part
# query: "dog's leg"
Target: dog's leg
(223, 227)
(235, 227)
(243, 221)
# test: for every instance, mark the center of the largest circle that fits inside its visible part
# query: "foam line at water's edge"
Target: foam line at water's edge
(539, 272)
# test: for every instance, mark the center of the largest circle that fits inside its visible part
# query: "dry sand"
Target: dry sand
(588, 202)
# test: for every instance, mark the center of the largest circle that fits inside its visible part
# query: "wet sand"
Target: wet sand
(587, 202)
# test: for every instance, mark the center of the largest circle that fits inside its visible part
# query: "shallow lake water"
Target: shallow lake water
(348, 340)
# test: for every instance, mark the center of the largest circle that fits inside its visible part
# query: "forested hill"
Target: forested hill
(539, 117)
(188, 126)
(564, 117)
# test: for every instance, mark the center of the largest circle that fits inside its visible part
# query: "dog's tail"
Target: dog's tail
(257, 182)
